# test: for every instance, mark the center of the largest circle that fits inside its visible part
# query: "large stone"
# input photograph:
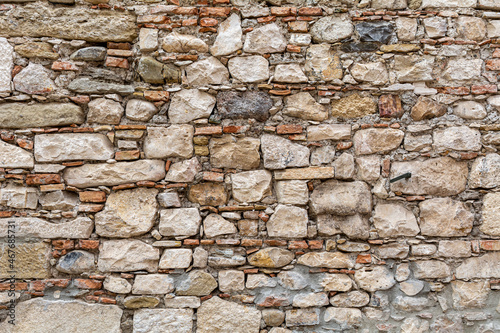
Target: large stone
(460, 70)
(140, 110)
(6, 65)
(271, 257)
(163, 320)
(288, 222)
(331, 29)
(345, 317)
(265, 39)
(92, 53)
(306, 300)
(215, 225)
(153, 71)
(304, 106)
(326, 260)
(34, 79)
(485, 172)
(341, 198)
(76, 262)
(462, 138)
(127, 256)
(289, 73)
(293, 192)
(148, 39)
(373, 72)
(293, 280)
(489, 4)
(471, 28)
(444, 217)
(197, 283)
(491, 214)
(127, 213)
(190, 104)
(375, 31)
(353, 106)
(207, 71)
(353, 226)
(322, 64)
(179, 43)
(44, 20)
(440, 176)
(412, 304)
(374, 278)
(117, 285)
(413, 68)
(230, 152)
(250, 104)
(172, 141)
(431, 269)
(261, 281)
(175, 258)
(22, 115)
(351, 299)
(448, 3)
(393, 220)
(59, 200)
(302, 317)
(183, 172)
(19, 196)
(336, 282)
(43, 316)
(31, 259)
(377, 140)
(104, 111)
(249, 69)
(389, 4)
(231, 281)
(90, 175)
(251, 186)
(228, 38)
(468, 295)
(484, 267)
(33, 227)
(88, 86)
(179, 222)
(406, 28)
(435, 27)
(15, 157)
(280, 153)
(211, 194)
(219, 316)
(72, 147)
(470, 110)
(426, 108)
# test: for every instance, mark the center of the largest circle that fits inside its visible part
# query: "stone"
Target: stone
(265, 39)
(34, 79)
(127, 213)
(423, 249)
(482, 267)
(470, 110)
(59, 200)
(117, 285)
(431, 269)
(329, 132)
(215, 225)
(91, 175)
(292, 192)
(182, 302)
(411, 287)
(89, 86)
(494, 102)
(440, 176)
(352, 299)
(6, 65)
(43, 315)
(18, 196)
(373, 72)
(393, 220)
(462, 138)
(250, 69)
(307, 300)
(345, 317)
(207, 71)
(488, 4)
(273, 317)
(322, 155)
(393, 251)
(331, 29)
(72, 147)
(322, 64)
(250, 104)
(208, 194)
(293, 280)
(490, 213)
(198, 283)
(153, 71)
(104, 111)
(353, 106)
(92, 53)
(411, 304)
(137, 302)
(219, 316)
(200, 257)
(448, 3)
(140, 110)
(251, 186)
(454, 249)
(375, 31)
(280, 153)
(493, 29)
(468, 295)
(368, 168)
(336, 282)
(148, 39)
(304, 173)
(389, 4)
(127, 255)
(353, 47)
(374, 278)
(163, 320)
(413, 68)
(426, 108)
(302, 317)
(460, 70)
(76, 262)
(485, 172)
(289, 73)
(344, 167)
(172, 141)
(326, 260)
(435, 27)
(231, 281)
(444, 217)
(183, 172)
(271, 257)
(69, 23)
(406, 28)
(341, 198)
(190, 104)
(153, 284)
(401, 48)
(261, 281)
(179, 43)
(471, 28)
(36, 50)
(31, 260)
(179, 222)
(12, 156)
(288, 222)
(417, 142)
(300, 39)
(302, 105)
(354, 226)
(32, 227)
(229, 36)
(377, 140)
(176, 258)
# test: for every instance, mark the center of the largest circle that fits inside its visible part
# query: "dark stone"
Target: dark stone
(390, 106)
(171, 73)
(250, 104)
(375, 31)
(94, 53)
(208, 194)
(153, 71)
(360, 47)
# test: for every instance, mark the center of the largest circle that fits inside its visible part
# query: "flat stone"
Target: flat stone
(42, 315)
(444, 217)
(307, 300)
(271, 257)
(59, 200)
(89, 86)
(471, 28)
(460, 70)
(265, 39)
(251, 186)
(153, 71)
(33, 227)
(454, 249)
(493, 29)
(182, 302)
(406, 28)
(326, 259)
(345, 317)
(34, 79)
(461, 138)
(470, 110)
(423, 249)
(368, 168)
(274, 317)
(231, 281)
(304, 173)
(293, 280)
(72, 147)
(208, 194)
(389, 4)
(490, 213)
(341, 198)
(179, 222)
(401, 48)
(336, 282)
(482, 267)
(280, 153)
(344, 167)
(485, 172)
(69, 23)
(36, 50)
(140, 110)
(148, 39)
(76, 262)
(431, 269)
(322, 64)
(293, 192)
(304, 106)
(352, 299)
(21, 115)
(230, 152)
(375, 31)
(353, 226)
(6, 65)
(377, 140)
(329, 132)
(190, 104)
(104, 111)
(12, 156)
(19, 196)
(180, 43)
(92, 53)
(127, 256)
(250, 104)
(353, 106)
(392, 220)
(250, 69)
(32, 261)
(440, 176)
(413, 68)
(289, 73)
(288, 222)
(175, 258)
(163, 320)
(448, 3)
(302, 317)
(468, 295)
(488, 4)
(331, 29)
(91, 175)
(374, 278)
(411, 287)
(207, 71)
(412, 304)
(373, 72)
(414, 325)
(138, 302)
(322, 155)
(435, 27)
(393, 251)
(198, 283)
(117, 285)
(215, 225)
(262, 281)
(354, 47)
(172, 141)
(183, 172)
(229, 36)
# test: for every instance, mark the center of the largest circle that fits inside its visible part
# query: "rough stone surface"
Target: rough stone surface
(104, 111)
(190, 104)
(280, 153)
(163, 320)
(444, 217)
(250, 186)
(207, 71)
(326, 259)
(393, 220)
(140, 110)
(175, 42)
(271, 257)
(485, 172)
(249, 69)
(265, 39)
(32, 227)
(127, 255)
(374, 72)
(411, 68)
(341, 198)
(71, 147)
(198, 283)
(210, 194)
(89, 86)
(293, 192)
(289, 73)
(304, 106)
(230, 152)
(375, 278)
(250, 104)
(345, 317)
(460, 138)
(178, 137)
(175, 258)
(31, 260)
(288, 222)
(228, 37)
(6, 65)
(20, 115)
(179, 222)
(353, 106)
(322, 63)
(215, 225)
(490, 213)
(76, 262)
(331, 29)
(377, 140)
(184, 171)
(470, 110)
(482, 267)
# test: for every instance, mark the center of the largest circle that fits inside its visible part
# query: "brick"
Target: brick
(296, 245)
(454, 90)
(493, 65)
(289, 129)
(490, 245)
(121, 46)
(266, 19)
(208, 22)
(191, 242)
(90, 208)
(486, 89)
(213, 176)
(25, 144)
(152, 19)
(63, 244)
(63, 66)
(87, 284)
(274, 301)
(92, 196)
(315, 244)
(153, 95)
(17, 286)
(275, 242)
(344, 145)
(42, 179)
(310, 11)
(364, 259)
(283, 11)
(235, 129)
(120, 53)
(116, 62)
(251, 242)
(230, 242)
(184, 57)
(212, 11)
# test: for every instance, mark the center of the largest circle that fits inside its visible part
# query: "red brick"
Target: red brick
(315, 244)
(283, 11)
(493, 65)
(116, 62)
(63, 66)
(344, 145)
(364, 259)
(213, 176)
(61, 244)
(207, 242)
(90, 208)
(251, 242)
(454, 90)
(26, 144)
(152, 19)
(209, 130)
(275, 242)
(107, 300)
(87, 284)
(296, 245)
(130, 127)
(289, 129)
(92, 196)
(235, 129)
(266, 19)
(496, 54)
(43, 179)
(486, 89)
(310, 11)
(208, 22)
(468, 156)
(490, 245)
(6, 213)
(70, 164)
(145, 183)
(87, 244)
(121, 46)
(305, 18)
(189, 23)
(214, 11)
(274, 301)
(280, 92)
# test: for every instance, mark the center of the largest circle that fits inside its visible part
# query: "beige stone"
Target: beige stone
(306, 300)
(341, 198)
(22, 115)
(377, 140)
(271, 257)
(190, 104)
(231, 281)
(172, 141)
(393, 220)
(353, 106)
(471, 28)
(491, 214)
(302, 105)
(148, 39)
(483, 267)
(460, 70)
(19, 196)
(468, 295)
(353, 226)
(292, 192)
(184, 172)
(230, 152)
(302, 317)
(71, 147)
(289, 73)
(485, 172)
(329, 132)
(117, 285)
(351, 299)
(374, 278)
(179, 222)
(175, 42)
(6, 65)
(127, 256)
(104, 111)
(163, 320)
(182, 302)
(345, 317)
(454, 249)
(280, 153)
(176, 258)
(374, 73)
(249, 69)
(435, 26)
(229, 36)
(198, 283)
(211, 194)
(331, 29)
(413, 68)
(444, 217)
(261, 281)
(251, 186)
(322, 64)
(288, 222)
(153, 284)
(32, 227)
(207, 71)
(406, 28)
(215, 225)
(462, 138)
(138, 302)
(431, 269)
(326, 259)
(304, 173)
(336, 282)
(31, 260)
(265, 39)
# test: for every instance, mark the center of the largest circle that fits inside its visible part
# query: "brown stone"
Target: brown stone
(426, 108)
(208, 194)
(389, 106)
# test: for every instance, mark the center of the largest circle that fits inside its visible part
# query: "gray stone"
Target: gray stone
(485, 172)
(169, 199)
(175, 258)
(288, 222)
(344, 167)
(163, 320)
(412, 304)
(470, 110)
(76, 262)
(207, 71)
(14, 157)
(292, 192)
(265, 39)
(468, 295)
(250, 104)
(19, 196)
(229, 36)
(331, 29)
(179, 222)
(140, 110)
(21, 115)
(393, 251)
(393, 220)
(197, 283)
(304, 106)
(249, 69)
(444, 217)
(190, 104)
(489, 4)
(377, 140)
(215, 225)
(6, 65)
(411, 287)
(89, 86)
(270, 257)
(34, 79)
(417, 142)
(354, 226)
(172, 141)
(261, 281)
(273, 317)
(32, 227)
(345, 317)
(179, 43)
(341, 198)
(374, 278)
(153, 284)
(127, 255)
(184, 171)
(153, 71)
(322, 64)
(293, 280)
(302, 317)
(375, 31)
(280, 153)
(251, 186)
(59, 200)
(92, 53)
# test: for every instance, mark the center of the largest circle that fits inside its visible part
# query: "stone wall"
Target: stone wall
(225, 166)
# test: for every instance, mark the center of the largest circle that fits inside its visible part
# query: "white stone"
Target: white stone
(462, 138)
(104, 111)
(304, 106)
(228, 37)
(179, 222)
(190, 104)
(34, 79)
(392, 220)
(280, 153)
(289, 73)
(19, 196)
(182, 302)
(448, 3)
(173, 141)
(163, 320)
(32, 227)
(406, 28)
(207, 71)
(413, 68)
(175, 42)
(491, 214)
(368, 168)
(251, 186)
(292, 192)
(148, 39)
(127, 256)
(306, 300)
(59, 200)
(470, 110)
(374, 278)
(250, 69)
(493, 29)
(169, 199)
(15, 157)
(444, 217)
(300, 39)
(215, 225)
(288, 222)
(140, 110)
(231, 281)
(463, 69)
(117, 285)
(153, 284)
(373, 72)
(435, 26)
(485, 172)
(6, 65)
(176, 258)
(265, 39)
(336, 282)
(329, 132)
(183, 172)
(345, 317)
(260, 281)
(331, 29)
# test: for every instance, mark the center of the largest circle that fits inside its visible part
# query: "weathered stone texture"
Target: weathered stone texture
(20, 115)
